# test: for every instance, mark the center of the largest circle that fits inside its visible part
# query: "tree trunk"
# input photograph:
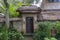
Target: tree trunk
(6, 14)
(7, 17)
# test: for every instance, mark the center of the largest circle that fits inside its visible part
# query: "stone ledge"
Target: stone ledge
(11, 19)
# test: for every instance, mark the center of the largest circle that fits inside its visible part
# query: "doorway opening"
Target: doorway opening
(29, 25)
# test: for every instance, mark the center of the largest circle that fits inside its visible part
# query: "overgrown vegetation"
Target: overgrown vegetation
(9, 33)
(13, 5)
(44, 31)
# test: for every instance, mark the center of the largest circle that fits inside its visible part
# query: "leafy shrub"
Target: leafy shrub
(14, 34)
(3, 32)
(40, 34)
(57, 26)
(46, 39)
(10, 33)
(53, 38)
(50, 38)
(45, 30)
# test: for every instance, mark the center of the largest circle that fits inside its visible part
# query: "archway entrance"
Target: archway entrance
(29, 18)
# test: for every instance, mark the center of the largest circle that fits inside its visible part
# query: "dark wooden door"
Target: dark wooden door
(29, 25)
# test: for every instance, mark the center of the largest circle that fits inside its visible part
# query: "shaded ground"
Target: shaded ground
(28, 37)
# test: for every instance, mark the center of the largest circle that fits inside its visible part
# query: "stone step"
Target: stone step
(28, 37)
